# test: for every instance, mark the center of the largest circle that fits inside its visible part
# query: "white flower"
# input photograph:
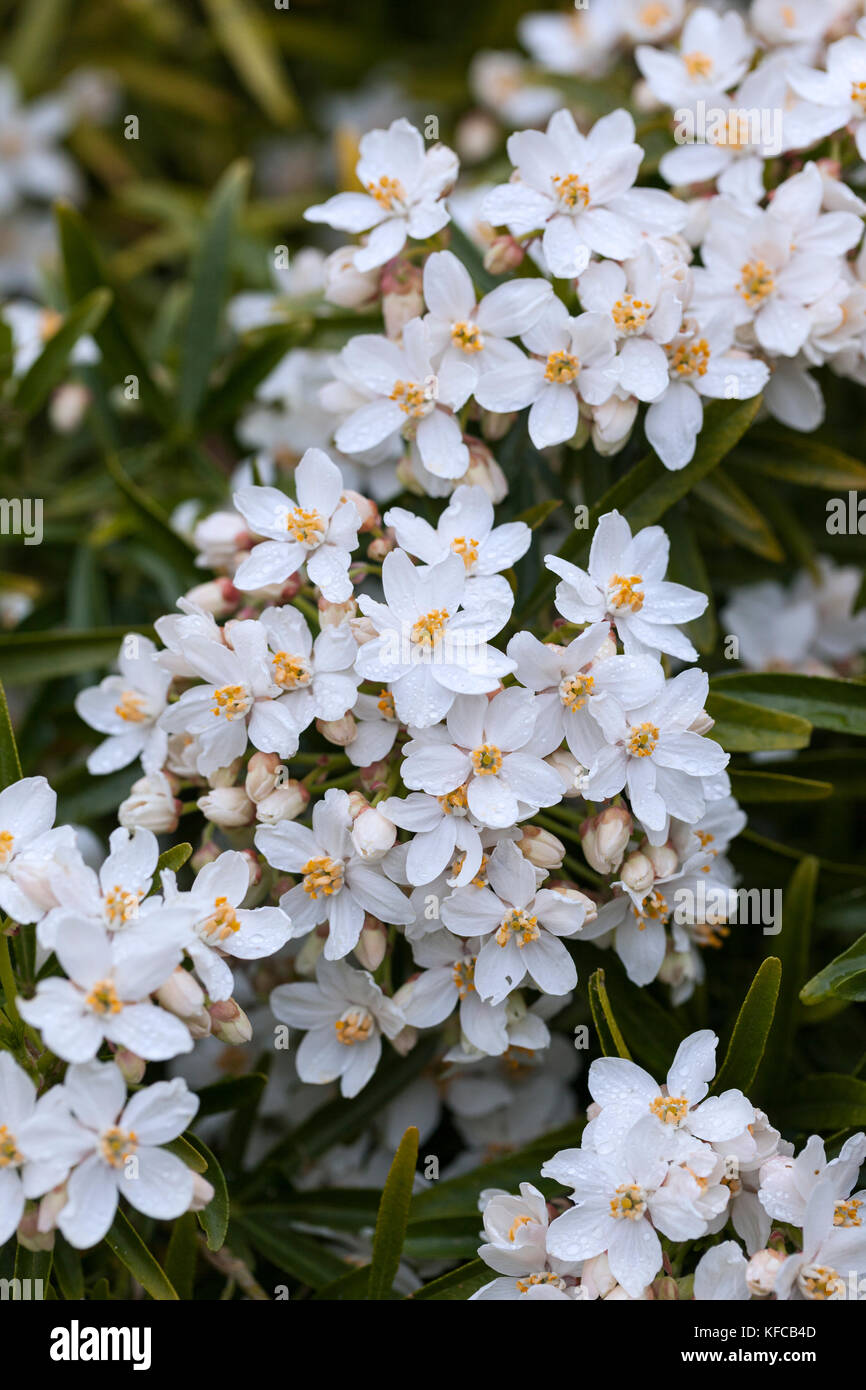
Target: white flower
(646, 306)
(573, 358)
(338, 886)
(440, 825)
(787, 1183)
(842, 88)
(28, 847)
(116, 896)
(127, 708)
(25, 1171)
(482, 749)
(319, 530)
(346, 1013)
(720, 1274)
(30, 164)
(34, 326)
(378, 727)
(105, 995)
(522, 924)
(405, 183)
(714, 53)
(429, 648)
(577, 42)
(219, 926)
(446, 982)
(120, 1153)
(625, 583)
(516, 1229)
(578, 189)
(830, 1254)
(318, 677)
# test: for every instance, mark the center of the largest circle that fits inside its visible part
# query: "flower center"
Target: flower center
(858, 95)
(630, 314)
(486, 760)
(629, 1204)
(355, 1026)
(820, 1282)
(428, 631)
(757, 282)
(652, 909)
(9, 1154)
(385, 705)
(653, 14)
(691, 359)
(231, 700)
(131, 707)
(464, 977)
(117, 1145)
(103, 999)
(574, 691)
(291, 671)
(669, 1109)
(306, 526)
(517, 1224)
(698, 64)
(562, 368)
(848, 1213)
(623, 591)
(467, 549)
(571, 191)
(121, 905)
(414, 400)
(519, 925)
(387, 192)
(7, 840)
(467, 337)
(223, 921)
(454, 804)
(525, 1284)
(643, 740)
(323, 875)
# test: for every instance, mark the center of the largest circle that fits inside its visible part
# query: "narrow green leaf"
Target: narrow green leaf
(777, 786)
(214, 1218)
(34, 1265)
(746, 1047)
(10, 763)
(257, 355)
(52, 364)
(125, 1242)
(791, 946)
(808, 462)
(732, 509)
(393, 1217)
(182, 1256)
(843, 978)
(827, 702)
(687, 566)
(825, 1103)
(654, 1033)
(221, 1096)
(183, 1149)
(26, 657)
(742, 727)
(173, 859)
(535, 516)
(67, 1270)
(244, 39)
(610, 1038)
(459, 1284)
(154, 522)
(451, 1197)
(292, 1253)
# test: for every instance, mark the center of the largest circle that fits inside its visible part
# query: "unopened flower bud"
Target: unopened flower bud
(637, 873)
(541, 848)
(131, 1066)
(503, 254)
(476, 136)
(373, 834)
(338, 731)
(285, 803)
(666, 1288)
(761, 1272)
(225, 776)
(219, 537)
(495, 424)
(363, 630)
(263, 769)
(399, 308)
(366, 508)
(569, 770)
(344, 285)
(30, 1236)
(50, 1207)
(308, 956)
(218, 597)
(372, 944)
(484, 471)
(702, 723)
(68, 407)
(664, 859)
(229, 807)
(202, 1193)
(604, 839)
(229, 1023)
(382, 546)
(332, 614)
(151, 804)
(405, 1040)
(181, 994)
(596, 1277)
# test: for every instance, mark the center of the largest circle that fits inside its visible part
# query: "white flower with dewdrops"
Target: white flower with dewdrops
(377, 728)
(655, 753)
(646, 306)
(120, 1150)
(219, 926)
(442, 830)
(405, 182)
(127, 707)
(29, 847)
(720, 1274)
(578, 190)
(105, 994)
(25, 1171)
(841, 89)
(344, 1015)
(515, 1230)
(338, 886)
(832, 1252)
(787, 1183)
(446, 983)
(115, 896)
(566, 680)
(713, 54)
(429, 647)
(482, 748)
(320, 530)
(466, 527)
(318, 676)
(624, 581)
(407, 396)
(523, 925)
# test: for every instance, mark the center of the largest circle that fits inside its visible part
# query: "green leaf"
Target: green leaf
(10, 763)
(52, 364)
(791, 945)
(350, 1287)
(154, 522)
(459, 1196)
(125, 1242)
(742, 727)
(182, 1256)
(843, 978)
(468, 253)
(34, 1265)
(221, 1096)
(536, 516)
(654, 1034)
(828, 702)
(67, 1270)
(805, 461)
(825, 1103)
(610, 1038)
(746, 1047)
(183, 1149)
(210, 283)
(393, 1217)
(687, 566)
(244, 39)
(173, 859)
(442, 1238)
(776, 786)
(735, 512)
(459, 1284)
(257, 355)
(36, 656)
(214, 1218)
(292, 1253)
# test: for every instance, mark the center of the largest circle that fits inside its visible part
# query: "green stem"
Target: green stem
(7, 980)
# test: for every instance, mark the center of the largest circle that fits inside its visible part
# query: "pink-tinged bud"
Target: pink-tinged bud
(503, 254)
(202, 1193)
(225, 776)
(366, 509)
(405, 1040)
(229, 1023)
(338, 731)
(664, 859)
(69, 404)
(30, 1236)
(356, 804)
(181, 994)
(666, 1288)
(363, 630)
(400, 276)
(218, 597)
(374, 777)
(541, 848)
(372, 944)
(308, 957)
(263, 769)
(484, 471)
(219, 537)
(132, 1067)
(569, 770)
(50, 1207)
(344, 285)
(605, 848)
(205, 854)
(761, 1272)
(291, 588)
(637, 873)
(399, 309)
(228, 807)
(495, 424)
(151, 804)
(702, 723)
(254, 865)
(373, 834)
(332, 614)
(285, 803)
(381, 546)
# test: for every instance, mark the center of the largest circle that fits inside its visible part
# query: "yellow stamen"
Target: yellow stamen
(692, 359)
(467, 337)
(9, 1154)
(231, 700)
(757, 282)
(669, 1109)
(306, 526)
(385, 704)
(131, 707)
(291, 671)
(103, 999)
(848, 1213)
(629, 1204)
(630, 314)
(698, 64)
(428, 631)
(464, 977)
(486, 760)
(121, 906)
(562, 368)
(7, 840)
(454, 804)
(387, 192)
(643, 740)
(414, 400)
(117, 1146)
(574, 691)
(624, 591)
(521, 926)
(466, 549)
(223, 921)
(322, 875)
(571, 191)
(355, 1026)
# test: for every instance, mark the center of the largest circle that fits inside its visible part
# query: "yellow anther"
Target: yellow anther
(467, 337)
(290, 671)
(571, 191)
(428, 631)
(562, 368)
(574, 691)
(355, 1026)
(131, 707)
(486, 760)
(223, 921)
(756, 283)
(520, 926)
(624, 591)
(231, 700)
(103, 999)
(643, 740)
(323, 875)
(387, 192)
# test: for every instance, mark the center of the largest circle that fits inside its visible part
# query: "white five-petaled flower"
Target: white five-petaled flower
(841, 89)
(831, 1254)
(317, 676)
(446, 982)
(787, 1183)
(31, 165)
(515, 1230)
(714, 54)
(127, 707)
(405, 184)
(345, 1013)
(114, 897)
(440, 826)
(29, 847)
(320, 530)
(26, 1171)
(522, 924)
(624, 582)
(337, 885)
(646, 307)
